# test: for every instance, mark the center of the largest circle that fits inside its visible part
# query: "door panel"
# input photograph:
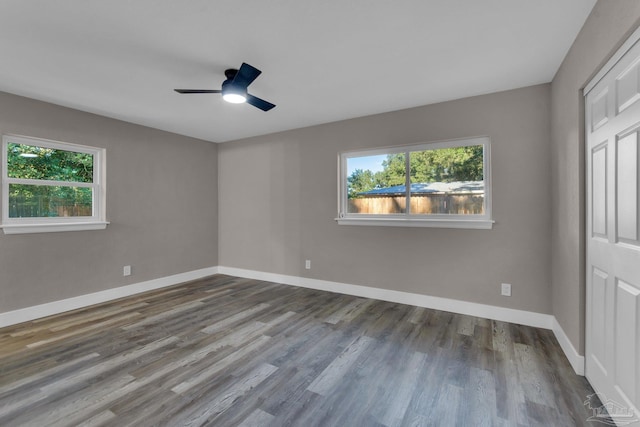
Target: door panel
(627, 309)
(599, 113)
(627, 88)
(627, 188)
(599, 309)
(599, 199)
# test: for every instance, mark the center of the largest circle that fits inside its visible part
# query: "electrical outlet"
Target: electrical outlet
(307, 264)
(126, 270)
(506, 289)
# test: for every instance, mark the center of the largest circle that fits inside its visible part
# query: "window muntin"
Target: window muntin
(435, 182)
(47, 182)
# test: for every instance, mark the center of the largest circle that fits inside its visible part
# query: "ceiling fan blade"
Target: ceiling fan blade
(246, 74)
(259, 103)
(197, 91)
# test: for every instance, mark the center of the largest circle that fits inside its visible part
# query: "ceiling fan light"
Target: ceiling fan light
(233, 93)
(234, 98)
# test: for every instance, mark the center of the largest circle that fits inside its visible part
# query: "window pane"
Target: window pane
(447, 181)
(33, 162)
(376, 184)
(43, 201)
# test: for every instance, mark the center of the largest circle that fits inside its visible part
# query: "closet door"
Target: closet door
(612, 152)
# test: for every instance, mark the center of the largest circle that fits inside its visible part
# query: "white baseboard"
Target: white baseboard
(576, 360)
(522, 317)
(55, 307)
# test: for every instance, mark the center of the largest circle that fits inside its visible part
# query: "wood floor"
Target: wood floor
(226, 351)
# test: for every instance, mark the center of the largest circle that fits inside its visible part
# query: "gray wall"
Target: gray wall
(277, 204)
(161, 202)
(609, 24)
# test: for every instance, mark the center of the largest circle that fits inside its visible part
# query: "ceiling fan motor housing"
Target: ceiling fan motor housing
(231, 88)
(230, 73)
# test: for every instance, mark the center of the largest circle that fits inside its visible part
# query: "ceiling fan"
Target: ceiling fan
(234, 89)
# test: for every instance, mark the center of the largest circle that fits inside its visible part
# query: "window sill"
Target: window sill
(53, 227)
(484, 224)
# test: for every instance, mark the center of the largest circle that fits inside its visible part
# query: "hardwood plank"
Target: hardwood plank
(79, 331)
(209, 410)
(480, 399)
(212, 370)
(98, 420)
(96, 370)
(258, 418)
(164, 315)
(229, 321)
(399, 397)
(328, 378)
(349, 311)
(535, 388)
(19, 382)
(447, 409)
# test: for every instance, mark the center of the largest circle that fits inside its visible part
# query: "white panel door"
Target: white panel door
(612, 121)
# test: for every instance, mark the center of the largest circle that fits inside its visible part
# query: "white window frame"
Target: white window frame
(55, 224)
(472, 221)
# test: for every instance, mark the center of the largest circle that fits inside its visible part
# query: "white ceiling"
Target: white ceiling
(322, 61)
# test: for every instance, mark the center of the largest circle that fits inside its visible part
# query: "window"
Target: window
(441, 184)
(51, 186)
